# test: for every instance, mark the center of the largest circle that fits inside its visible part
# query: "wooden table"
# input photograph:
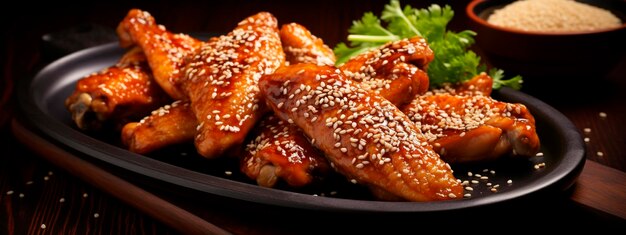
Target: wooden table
(37, 197)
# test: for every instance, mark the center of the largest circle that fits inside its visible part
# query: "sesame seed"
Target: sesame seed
(474, 181)
(488, 184)
(43, 226)
(494, 190)
(21, 195)
(586, 139)
(539, 154)
(451, 195)
(96, 215)
(467, 195)
(602, 114)
(469, 173)
(46, 178)
(228, 172)
(600, 154)
(50, 173)
(353, 181)
(29, 182)
(587, 130)
(85, 195)
(509, 181)
(540, 165)
(9, 192)
(469, 188)
(343, 150)
(62, 200)
(492, 172)
(484, 178)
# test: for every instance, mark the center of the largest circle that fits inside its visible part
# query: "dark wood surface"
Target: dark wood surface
(36, 192)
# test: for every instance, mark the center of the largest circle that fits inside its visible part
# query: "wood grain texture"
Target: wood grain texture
(602, 188)
(148, 203)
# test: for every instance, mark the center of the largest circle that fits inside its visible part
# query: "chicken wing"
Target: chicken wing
(465, 126)
(396, 70)
(280, 150)
(365, 137)
(221, 81)
(118, 94)
(165, 51)
(301, 46)
(168, 125)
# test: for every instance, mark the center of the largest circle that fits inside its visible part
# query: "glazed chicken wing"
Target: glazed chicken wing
(118, 94)
(396, 70)
(280, 150)
(221, 81)
(366, 138)
(165, 51)
(465, 126)
(301, 46)
(168, 125)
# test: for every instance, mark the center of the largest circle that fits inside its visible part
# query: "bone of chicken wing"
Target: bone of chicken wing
(301, 46)
(366, 138)
(165, 51)
(221, 81)
(280, 150)
(396, 70)
(168, 125)
(465, 126)
(119, 93)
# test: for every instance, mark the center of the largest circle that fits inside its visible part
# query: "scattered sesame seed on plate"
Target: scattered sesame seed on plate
(509, 181)
(9, 192)
(96, 215)
(539, 154)
(587, 130)
(600, 154)
(586, 139)
(602, 114)
(43, 226)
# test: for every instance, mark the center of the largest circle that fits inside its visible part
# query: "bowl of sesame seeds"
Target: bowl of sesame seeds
(550, 41)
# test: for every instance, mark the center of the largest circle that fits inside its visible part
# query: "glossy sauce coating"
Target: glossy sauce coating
(395, 71)
(121, 93)
(281, 147)
(221, 81)
(465, 125)
(168, 125)
(165, 51)
(365, 137)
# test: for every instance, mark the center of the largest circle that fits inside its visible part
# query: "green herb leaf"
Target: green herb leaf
(453, 62)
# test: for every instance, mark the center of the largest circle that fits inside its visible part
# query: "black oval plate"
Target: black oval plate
(42, 102)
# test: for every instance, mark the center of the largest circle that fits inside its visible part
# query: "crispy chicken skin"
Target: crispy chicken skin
(221, 81)
(280, 150)
(463, 125)
(120, 93)
(165, 51)
(366, 138)
(301, 46)
(396, 70)
(168, 125)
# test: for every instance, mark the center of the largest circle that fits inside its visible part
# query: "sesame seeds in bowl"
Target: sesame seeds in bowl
(546, 57)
